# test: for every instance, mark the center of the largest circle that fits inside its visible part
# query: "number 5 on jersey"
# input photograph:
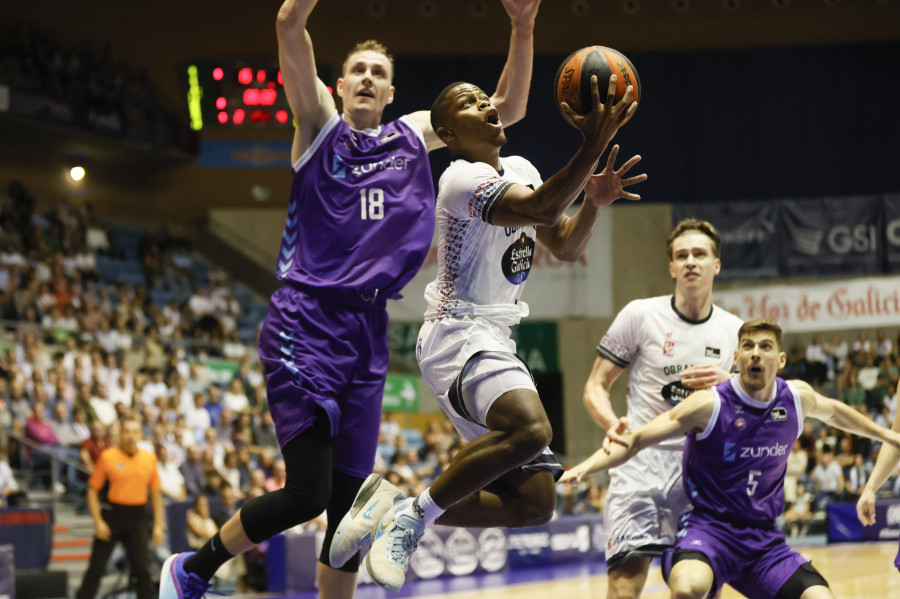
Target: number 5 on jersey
(371, 203)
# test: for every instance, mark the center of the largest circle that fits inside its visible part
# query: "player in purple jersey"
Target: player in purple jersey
(359, 225)
(739, 435)
(885, 465)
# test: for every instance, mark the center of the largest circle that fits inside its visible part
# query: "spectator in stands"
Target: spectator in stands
(229, 471)
(795, 472)
(235, 399)
(861, 350)
(170, 477)
(827, 478)
(214, 482)
(10, 495)
(200, 525)
(855, 478)
(816, 362)
(19, 402)
(229, 505)
(883, 346)
(192, 471)
(278, 477)
(198, 419)
(799, 514)
(38, 430)
(264, 432)
(854, 395)
(214, 404)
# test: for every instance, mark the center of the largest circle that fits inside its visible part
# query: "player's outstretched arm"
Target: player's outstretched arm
(692, 414)
(511, 96)
(888, 459)
(840, 415)
(568, 238)
(597, 402)
(310, 102)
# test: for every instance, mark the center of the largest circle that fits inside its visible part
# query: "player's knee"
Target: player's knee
(688, 587)
(538, 511)
(531, 439)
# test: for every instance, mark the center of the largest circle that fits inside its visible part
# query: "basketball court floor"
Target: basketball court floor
(854, 571)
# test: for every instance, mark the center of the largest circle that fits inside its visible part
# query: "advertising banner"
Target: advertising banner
(846, 304)
(749, 235)
(832, 236)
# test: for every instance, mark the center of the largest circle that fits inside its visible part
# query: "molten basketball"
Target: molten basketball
(573, 78)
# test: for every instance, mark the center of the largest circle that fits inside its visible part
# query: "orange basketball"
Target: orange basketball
(573, 78)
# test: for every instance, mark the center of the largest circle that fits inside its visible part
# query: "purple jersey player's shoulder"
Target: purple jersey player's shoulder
(361, 216)
(736, 465)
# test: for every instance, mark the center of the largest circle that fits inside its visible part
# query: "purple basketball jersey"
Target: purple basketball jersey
(736, 466)
(361, 216)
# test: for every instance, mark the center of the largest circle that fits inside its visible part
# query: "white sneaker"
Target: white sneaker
(395, 539)
(375, 497)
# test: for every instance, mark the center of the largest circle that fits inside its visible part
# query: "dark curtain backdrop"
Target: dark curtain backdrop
(717, 125)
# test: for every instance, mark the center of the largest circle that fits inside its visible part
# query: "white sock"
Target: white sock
(425, 508)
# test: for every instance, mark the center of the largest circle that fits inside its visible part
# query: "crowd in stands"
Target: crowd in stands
(89, 86)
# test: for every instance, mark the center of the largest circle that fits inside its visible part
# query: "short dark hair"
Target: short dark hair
(440, 108)
(701, 226)
(761, 324)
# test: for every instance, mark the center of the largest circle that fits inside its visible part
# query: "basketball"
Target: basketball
(573, 78)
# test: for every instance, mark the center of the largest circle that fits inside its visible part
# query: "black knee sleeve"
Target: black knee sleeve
(307, 460)
(806, 576)
(343, 491)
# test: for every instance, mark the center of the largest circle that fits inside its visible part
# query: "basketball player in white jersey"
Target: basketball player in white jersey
(671, 345)
(490, 212)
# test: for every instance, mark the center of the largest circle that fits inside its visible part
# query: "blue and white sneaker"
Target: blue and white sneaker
(375, 497)
(394, 541)
(175, 583)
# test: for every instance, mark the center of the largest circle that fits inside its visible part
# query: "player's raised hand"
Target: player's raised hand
(521, 12)
(601, 123)
(608, 185)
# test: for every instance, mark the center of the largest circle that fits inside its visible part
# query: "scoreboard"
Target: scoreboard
(237, 93)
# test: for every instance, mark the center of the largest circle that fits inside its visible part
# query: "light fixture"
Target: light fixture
(76, 173)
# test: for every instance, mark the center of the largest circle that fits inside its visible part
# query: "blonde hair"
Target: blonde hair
(369, 46)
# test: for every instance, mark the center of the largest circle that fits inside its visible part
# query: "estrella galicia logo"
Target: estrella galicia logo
(730, 454)
(517, 259)
(676, 392)
(779, 414)
(338, 168)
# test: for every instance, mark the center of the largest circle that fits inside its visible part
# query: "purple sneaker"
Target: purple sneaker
(175, 583)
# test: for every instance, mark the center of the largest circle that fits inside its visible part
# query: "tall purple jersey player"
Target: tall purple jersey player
(739, 435)
(359, 224)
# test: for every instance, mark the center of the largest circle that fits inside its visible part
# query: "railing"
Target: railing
(54, 456)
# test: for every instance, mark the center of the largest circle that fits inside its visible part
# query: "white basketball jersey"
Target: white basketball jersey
(657, 344)
(481, 267)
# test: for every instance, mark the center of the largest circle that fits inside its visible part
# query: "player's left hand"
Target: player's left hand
(522, 12)
(571, 477)
(704, 376)
(865, 507)
(607, 186)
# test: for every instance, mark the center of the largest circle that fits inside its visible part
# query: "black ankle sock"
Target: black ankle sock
(208, 558)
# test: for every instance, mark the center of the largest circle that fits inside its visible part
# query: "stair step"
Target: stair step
(71, 557)
(60, 528)
(71, 543)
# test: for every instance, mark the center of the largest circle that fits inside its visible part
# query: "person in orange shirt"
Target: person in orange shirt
(132, 476)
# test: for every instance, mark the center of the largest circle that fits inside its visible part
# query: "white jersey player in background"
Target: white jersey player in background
(671, 346)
